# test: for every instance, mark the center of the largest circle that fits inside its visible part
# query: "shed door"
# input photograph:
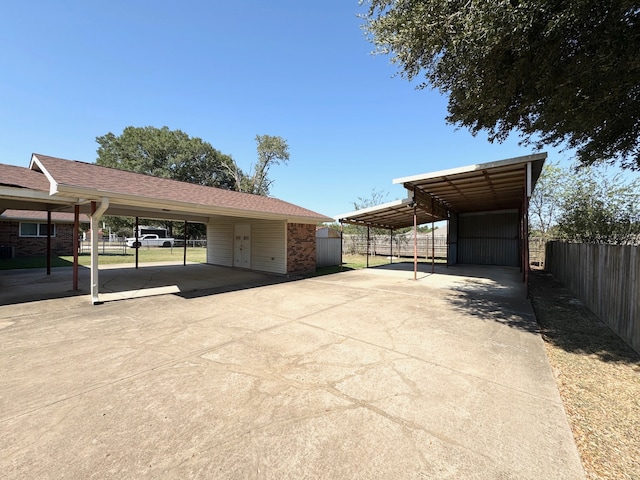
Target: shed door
(242, 245)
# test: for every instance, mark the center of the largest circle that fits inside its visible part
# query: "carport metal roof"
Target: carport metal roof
(489, 186)
(390, 215)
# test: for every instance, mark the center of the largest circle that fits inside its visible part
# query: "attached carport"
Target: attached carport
(485, 206)
(54, 184)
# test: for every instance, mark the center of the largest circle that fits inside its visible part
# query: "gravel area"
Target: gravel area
(598, 376)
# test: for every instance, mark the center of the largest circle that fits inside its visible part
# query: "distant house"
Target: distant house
(23, 233)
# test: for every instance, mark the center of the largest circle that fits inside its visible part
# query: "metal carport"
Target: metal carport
(504, 185)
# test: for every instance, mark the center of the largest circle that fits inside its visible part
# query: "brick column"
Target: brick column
(301, 248)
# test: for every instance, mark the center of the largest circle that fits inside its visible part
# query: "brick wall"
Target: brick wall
(301, 248)
(61, 244)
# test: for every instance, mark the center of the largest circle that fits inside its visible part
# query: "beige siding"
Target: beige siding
(268, 243)
(220, 242)
(268, 246)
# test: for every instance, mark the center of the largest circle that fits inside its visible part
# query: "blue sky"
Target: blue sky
(225, 72)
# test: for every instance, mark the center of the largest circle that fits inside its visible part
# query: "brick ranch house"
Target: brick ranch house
(23, 233)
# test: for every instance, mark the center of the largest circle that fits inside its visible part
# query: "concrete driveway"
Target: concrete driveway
(358, 375)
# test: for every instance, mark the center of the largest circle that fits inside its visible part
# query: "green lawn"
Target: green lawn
(194, 254)
(355, 262)
(146, 255)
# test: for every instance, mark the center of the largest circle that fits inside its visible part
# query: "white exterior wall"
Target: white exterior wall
(269, 246)
(268, 243)
(220, 242)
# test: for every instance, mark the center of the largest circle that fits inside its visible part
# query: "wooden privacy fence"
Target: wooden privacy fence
(606, 278)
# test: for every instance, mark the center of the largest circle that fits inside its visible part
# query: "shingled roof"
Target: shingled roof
(131, 193)
(21, 177)
(36, 215)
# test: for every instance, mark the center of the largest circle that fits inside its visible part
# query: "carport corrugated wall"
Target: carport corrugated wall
(489, 238)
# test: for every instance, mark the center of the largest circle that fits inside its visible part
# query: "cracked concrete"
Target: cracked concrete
(357, 375)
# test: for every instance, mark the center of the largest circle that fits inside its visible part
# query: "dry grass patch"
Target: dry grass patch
(598, 377)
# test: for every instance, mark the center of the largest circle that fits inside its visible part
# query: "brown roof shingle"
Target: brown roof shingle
(21, 177)
(111, 180)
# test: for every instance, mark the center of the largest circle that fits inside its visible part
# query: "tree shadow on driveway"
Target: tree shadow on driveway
(497, 303)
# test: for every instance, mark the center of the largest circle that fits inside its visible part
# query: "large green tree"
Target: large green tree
(598, 207)
(166, 153)
(546, 200)
(587, 205)
(272, 150)
(559, 72)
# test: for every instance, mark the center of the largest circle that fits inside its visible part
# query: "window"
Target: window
(35, 229)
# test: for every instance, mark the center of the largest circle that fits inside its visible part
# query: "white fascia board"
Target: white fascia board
(472, 168)
(178, 207)
(28, 194)
(53, 186)
(384, 206)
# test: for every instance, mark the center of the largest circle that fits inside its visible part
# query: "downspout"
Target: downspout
(96, 214)
(184, 261)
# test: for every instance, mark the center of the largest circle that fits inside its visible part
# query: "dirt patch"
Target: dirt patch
(598, 376)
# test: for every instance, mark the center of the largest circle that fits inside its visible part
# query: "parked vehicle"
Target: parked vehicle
(160, 231)
(150, 240)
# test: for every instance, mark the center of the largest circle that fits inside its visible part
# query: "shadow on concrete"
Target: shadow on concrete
(205, 292)
(487, 293)
(568, 324)
(122, 283)
(487, 303)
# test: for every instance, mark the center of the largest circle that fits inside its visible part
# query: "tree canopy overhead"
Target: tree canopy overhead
(558, 72)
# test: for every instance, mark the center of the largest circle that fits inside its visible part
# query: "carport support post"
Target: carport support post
(415, 241)
(48, 242)
(433, 239)
(368, 241)
(185, 243)
(391, 243)
(136, 235)
(95, 219)
(76, 233)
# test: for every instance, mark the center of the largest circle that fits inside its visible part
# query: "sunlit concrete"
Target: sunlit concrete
(360, 374)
